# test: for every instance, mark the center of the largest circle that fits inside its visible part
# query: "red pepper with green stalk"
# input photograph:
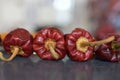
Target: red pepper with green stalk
(110, 51)
(49, 44)
(81, 44)
(17, 42)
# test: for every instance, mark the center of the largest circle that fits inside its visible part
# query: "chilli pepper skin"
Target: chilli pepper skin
(71, 40)
(110, 51)
(18, 42)
(49, 44)
(81, 44)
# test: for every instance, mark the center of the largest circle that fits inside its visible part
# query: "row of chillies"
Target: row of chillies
(51, 44)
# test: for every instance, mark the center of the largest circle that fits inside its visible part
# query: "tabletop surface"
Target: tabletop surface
(33, 68)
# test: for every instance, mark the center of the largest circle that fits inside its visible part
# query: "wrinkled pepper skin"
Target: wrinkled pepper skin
(21, 38)
(71, 39)
(107, 53)
(49, 33)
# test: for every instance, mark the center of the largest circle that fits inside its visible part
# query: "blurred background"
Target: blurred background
(64, 14)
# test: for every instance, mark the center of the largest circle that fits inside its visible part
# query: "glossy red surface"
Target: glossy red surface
(106, 52)
(20, 38)
(53, 34)
(71, 39)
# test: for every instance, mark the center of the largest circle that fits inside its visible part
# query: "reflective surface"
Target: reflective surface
(35, 69)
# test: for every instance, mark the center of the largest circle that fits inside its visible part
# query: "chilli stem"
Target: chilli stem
(54, 54)
(107, 40)
(16, 50)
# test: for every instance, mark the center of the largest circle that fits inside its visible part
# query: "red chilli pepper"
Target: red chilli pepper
(80, 44)
(49, 44)
(110, 51)
(18, 42)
